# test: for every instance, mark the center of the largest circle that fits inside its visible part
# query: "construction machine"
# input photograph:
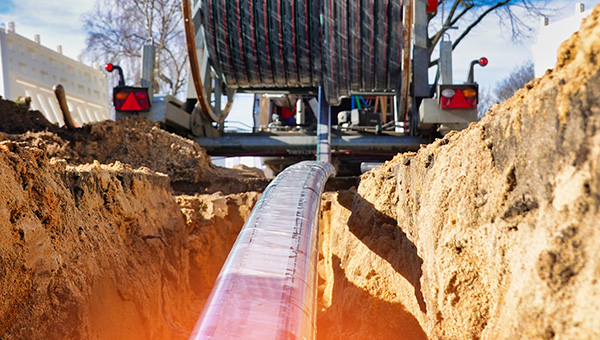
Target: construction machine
(358, 69)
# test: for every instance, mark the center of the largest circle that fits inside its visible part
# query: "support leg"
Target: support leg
(324, 129)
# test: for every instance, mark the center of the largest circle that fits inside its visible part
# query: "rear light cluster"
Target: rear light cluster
(458, 96)
(131, 99)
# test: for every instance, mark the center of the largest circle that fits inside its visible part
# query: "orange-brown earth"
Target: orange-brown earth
(117, 230)
(489, 233)
(95, 242)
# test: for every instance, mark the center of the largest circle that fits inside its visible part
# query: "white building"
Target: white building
(552, 35)
(29, 69)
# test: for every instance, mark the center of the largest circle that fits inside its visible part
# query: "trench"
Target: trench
(350, 302)
(101, 238)
(361, 275)
(108, 251)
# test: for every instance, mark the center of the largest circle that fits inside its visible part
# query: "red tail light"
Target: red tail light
(141, 95)
(131, 99)
(458, 96)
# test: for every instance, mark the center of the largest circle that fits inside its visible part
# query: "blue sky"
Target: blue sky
(5, 6)
(504, 54)
(59, 23)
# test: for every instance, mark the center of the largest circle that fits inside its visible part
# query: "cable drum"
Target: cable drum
(297, 45)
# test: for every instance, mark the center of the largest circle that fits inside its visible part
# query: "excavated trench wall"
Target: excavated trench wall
(104, 251)
(91, 247)
(490, 233)
(73, 262)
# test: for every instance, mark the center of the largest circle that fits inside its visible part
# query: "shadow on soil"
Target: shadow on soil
(381, 234)
(371, 318)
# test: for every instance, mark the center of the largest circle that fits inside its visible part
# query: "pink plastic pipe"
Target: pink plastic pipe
(268, 285)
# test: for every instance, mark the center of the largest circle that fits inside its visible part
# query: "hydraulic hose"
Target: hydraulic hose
(343, 46)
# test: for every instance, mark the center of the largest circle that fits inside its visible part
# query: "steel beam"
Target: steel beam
(230, 145)
(324, 129)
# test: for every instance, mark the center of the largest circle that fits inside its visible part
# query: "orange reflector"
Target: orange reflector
(121, 95)
(469, 93)
(130, 104)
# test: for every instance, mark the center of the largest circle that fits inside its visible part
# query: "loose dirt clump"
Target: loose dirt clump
(17, 119)
(494, 228)
(134, 141)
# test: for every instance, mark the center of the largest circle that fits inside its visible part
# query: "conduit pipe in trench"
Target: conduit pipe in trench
(268, 285)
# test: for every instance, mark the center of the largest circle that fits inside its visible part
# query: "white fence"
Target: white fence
(552, 35)
(29, 69)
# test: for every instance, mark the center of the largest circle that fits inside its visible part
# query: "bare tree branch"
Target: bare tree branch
(471, 13)
(477, 21)
(117, 30)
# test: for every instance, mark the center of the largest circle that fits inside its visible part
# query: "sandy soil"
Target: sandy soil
(95, 242)
(490, 233)
(72, 242)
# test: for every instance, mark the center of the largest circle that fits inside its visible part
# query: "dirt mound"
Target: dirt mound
(54, 217)
(499, 221)
(132, 140)
(139, 142)
(93, 244)
(17, 118)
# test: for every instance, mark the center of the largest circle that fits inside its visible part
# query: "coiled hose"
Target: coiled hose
(344, 46)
